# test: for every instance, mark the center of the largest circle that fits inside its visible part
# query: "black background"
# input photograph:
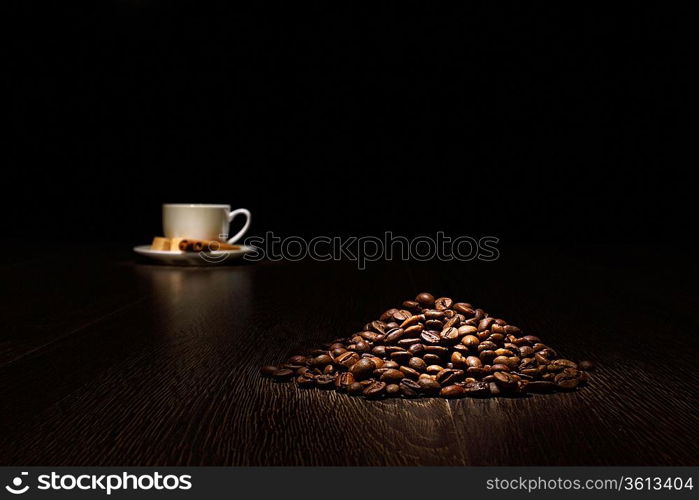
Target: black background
(531, 123)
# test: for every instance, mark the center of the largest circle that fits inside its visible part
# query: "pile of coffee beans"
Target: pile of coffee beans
(435, 347)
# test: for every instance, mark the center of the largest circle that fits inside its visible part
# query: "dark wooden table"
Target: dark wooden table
(107, 360)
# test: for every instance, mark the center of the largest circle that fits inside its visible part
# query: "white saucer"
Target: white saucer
(193, 258)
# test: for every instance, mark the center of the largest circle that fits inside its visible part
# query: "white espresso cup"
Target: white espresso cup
(202, 221)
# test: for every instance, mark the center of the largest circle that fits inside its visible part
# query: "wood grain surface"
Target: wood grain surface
(115, 361)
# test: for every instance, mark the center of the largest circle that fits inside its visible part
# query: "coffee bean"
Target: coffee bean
(374, 390)
(392, 389)
(464, 308)
(425, 299)
(505, 381)
(347, 359)
(416, 349)
(268, 371)
(406, 343)
(355, 389)
(409, 372)
(379, 351)
(392, 336)
(344, 380)
(443, 303)
(476, 390)
(432, 314)
(452, 391)
(401, 315)
(414, 330)
(411, 304)
(417, 364)
(430, 337)
(412, 320)
(429, 386)
(362, 368)
(388, 314)
(390, 364)
(401, 357)
(449, 335)
(409, 388)
(434, 369)
(431, 359)
(325, 381)
(392, 375)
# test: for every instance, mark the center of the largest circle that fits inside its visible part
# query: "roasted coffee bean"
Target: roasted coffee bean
(452, 391)
(476, 390)
(409, 372)
(470, 341)
(411, 304)
(586, 365)
(409, 388)
(392, 389)
(458, 359)
(449, 336)
(375, 390)
(525, 351)
(416, 349)
(414, 330)
(329, 370)
(322, 360)
(379, 351)
(412, 320)
(429, 386)
(464, 308)
(499, 368)
(392, 376)
(392, 336)
(305, 382)
(401, 315)
(406, 343)
(344, 380)
(434, 369)
(473, 361)
(485, 323)
(449, 376)
(443, 303)
(325, 381)
(425, 299)
(453, 322)
(434, 324)
(567, 384)
(486, 345)
(505, 380)
(297, 360)
(388, 314)
(417, 364)
(363, 368)
(432, 314)
(558, 365)
(431, 359)
(268, 371)
(390, 364)
(347, 359)
(401, 357)
(378, 327)
(355, 388)
(430, 337)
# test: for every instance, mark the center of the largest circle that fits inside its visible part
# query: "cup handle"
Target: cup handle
(232, 216)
